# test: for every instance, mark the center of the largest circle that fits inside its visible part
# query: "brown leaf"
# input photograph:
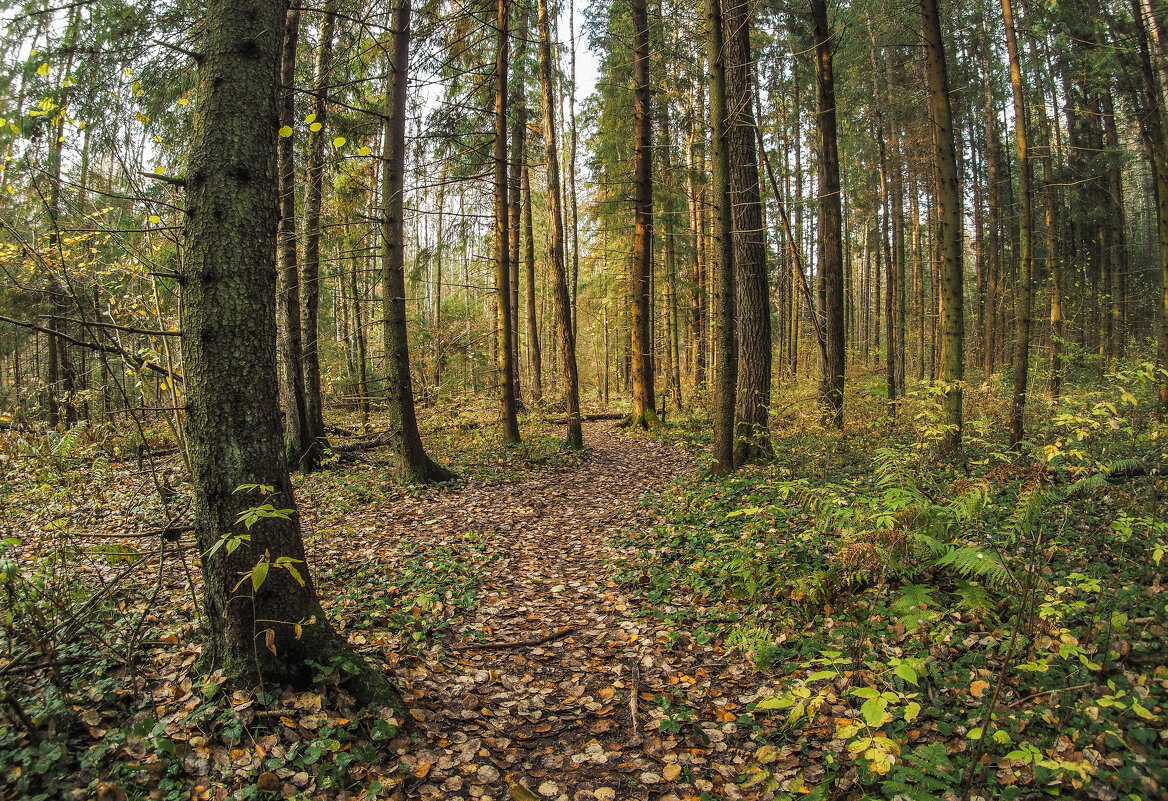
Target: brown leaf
(268, 782)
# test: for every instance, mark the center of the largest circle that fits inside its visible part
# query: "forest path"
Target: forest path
(557, 717)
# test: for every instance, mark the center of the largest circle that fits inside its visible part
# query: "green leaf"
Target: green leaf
(1002, 737)
(975, 733)
(911, 711)
(906, 673)
(873, 711)
(258, 575)
(775, 702)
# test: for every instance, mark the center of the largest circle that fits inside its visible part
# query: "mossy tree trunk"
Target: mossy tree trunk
(952, 355)
(235, 438)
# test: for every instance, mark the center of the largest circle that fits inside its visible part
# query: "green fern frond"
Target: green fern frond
(978, 563)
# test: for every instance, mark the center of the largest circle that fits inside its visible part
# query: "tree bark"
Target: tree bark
(310, 266)
(566, 336)
(948, 228)
(412, 464)
(266, 630)
(830, 232)
(640, 278)
(722, 253)
(288, 285)
(752, 304)
(1025, 236)
(504, 361)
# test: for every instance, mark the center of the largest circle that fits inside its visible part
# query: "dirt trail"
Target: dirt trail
(558, 717)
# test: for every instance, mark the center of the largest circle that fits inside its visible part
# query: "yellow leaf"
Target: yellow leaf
(154, 218)
(43, 69)
(339, 141)
(182, 101)
(364, 151)
(286, 131)
(158, 170)
(311, 118)
(316, 126)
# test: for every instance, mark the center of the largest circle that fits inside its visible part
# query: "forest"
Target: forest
(623, 399)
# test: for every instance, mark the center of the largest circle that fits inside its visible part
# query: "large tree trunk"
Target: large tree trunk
(948, 227)
(830, 233)
(310, 266)
(752, 437)
(640, 278)
(267, 627)
(288, 284)
(411, 461)
(504, 361)
(567, 337)
(722, 253)
(1025, 236)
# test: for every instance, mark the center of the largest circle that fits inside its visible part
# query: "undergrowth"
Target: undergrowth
(989, 625)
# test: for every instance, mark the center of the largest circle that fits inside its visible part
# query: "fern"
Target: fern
(978, 563)
(923, 775)
(974, 599)
(67, 444)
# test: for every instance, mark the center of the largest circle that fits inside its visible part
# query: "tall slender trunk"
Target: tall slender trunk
(993, 221)
(567, 337)
(412, 462)
(948, 227)
(515, 186)
(288, 286)
(640, 278)
(310, 234)
(533, 353)
(1025, 236)
(505, 362)
(1115, 222)
(830, 233)
(722, 253)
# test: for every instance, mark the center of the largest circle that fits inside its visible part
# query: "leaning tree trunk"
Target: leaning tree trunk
(566, 336)
(503, 351)
(752, 436)
(722, 254)
(640, 279)
(830, 233)
(288, 283)
(310, 266)
(948, 227)
(264, 621)
(412, 462)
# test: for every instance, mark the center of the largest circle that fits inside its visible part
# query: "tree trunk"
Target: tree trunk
(830, 233)
(504, 361)
(310, 267)
(1025, 236)
(288, 285)
(533, 353)
(948, 228)
(269, 627)
(566, 336)
(722, 253)
(752, 304)
(412, 464)
(515, 186)
(640, 278)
